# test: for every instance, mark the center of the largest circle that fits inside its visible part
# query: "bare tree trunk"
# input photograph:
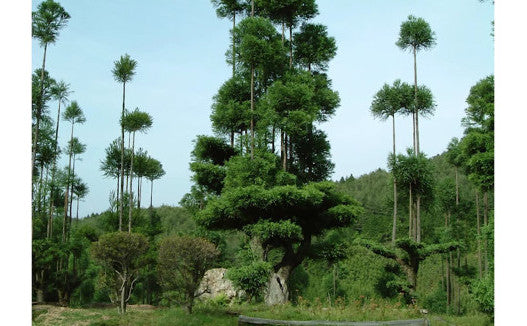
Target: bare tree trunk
(67, 189)
(485, 223)
(130, 205)
(273, 139)
(290, 46)
(39, 111)
(416, 111)
(457, 187)
(410, 219)
(233, 60)
(418, 218)
(252, 107)
(394, 226)
(122, 165)
(282, 149)
(71, 191)
(151, 191)
(53, 173)
(479, 233)
(252, 8)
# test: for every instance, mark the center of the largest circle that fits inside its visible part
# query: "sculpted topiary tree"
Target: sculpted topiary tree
(260, 199)
(408, 254)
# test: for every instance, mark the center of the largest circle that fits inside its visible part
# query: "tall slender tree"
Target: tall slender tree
(123, 71)
(387, 102)
(154, 172)
(75, 147)
(74, 115)
(230, 8)
(415, 35)
(47, 21)
(60, 92)
(133, 122)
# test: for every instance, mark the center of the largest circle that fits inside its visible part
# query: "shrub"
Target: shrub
(251, 278)
(182, 263)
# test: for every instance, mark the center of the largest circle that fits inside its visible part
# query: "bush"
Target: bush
(483, 293)
(182, 263)
(251, 278)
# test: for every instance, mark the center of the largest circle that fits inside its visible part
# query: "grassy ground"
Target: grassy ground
(219, 315)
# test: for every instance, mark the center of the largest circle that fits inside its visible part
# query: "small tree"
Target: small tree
(120, 254)
(182, 263)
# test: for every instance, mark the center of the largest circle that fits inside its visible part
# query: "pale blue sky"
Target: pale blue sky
(180, 46)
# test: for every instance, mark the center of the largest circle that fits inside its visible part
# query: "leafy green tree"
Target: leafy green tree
(47, 21)
(111, 164)
(415, 35)
(120, 254)
(313, 47)
(414, 174)
(231, 108)
(140, 170)
(387, 102)
(74, 115)
(75, 147)
(133, 122)
(455, 158)
(60, 92)
(257, 39)
(123, 71)
(290, 13)
(80, 190)
(182, 263)
(154, 171)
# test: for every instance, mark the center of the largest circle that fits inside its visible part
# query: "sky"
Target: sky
(180, 48)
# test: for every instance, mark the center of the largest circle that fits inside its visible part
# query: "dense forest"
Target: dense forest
(418, 237)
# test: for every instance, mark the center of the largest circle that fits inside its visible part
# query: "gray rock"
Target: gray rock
(215, 284)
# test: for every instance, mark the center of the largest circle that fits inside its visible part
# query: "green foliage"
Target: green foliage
(264, 170)
(211, 150)
(390, 100)
(120, 251)
(415, 33)
(73, 113)
(289, 12)
(182, 263)
(413, 171)
(47, 21)
(124, 69)
(274, 232)
(313, 47)
(136, 121)
(483, 292)
(251, 278)
(231, 106)
(256, 39)
(480, 112)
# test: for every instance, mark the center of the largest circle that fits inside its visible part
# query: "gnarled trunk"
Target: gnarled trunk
(277, 291)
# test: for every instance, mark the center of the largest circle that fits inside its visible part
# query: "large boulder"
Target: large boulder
(215, 284)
